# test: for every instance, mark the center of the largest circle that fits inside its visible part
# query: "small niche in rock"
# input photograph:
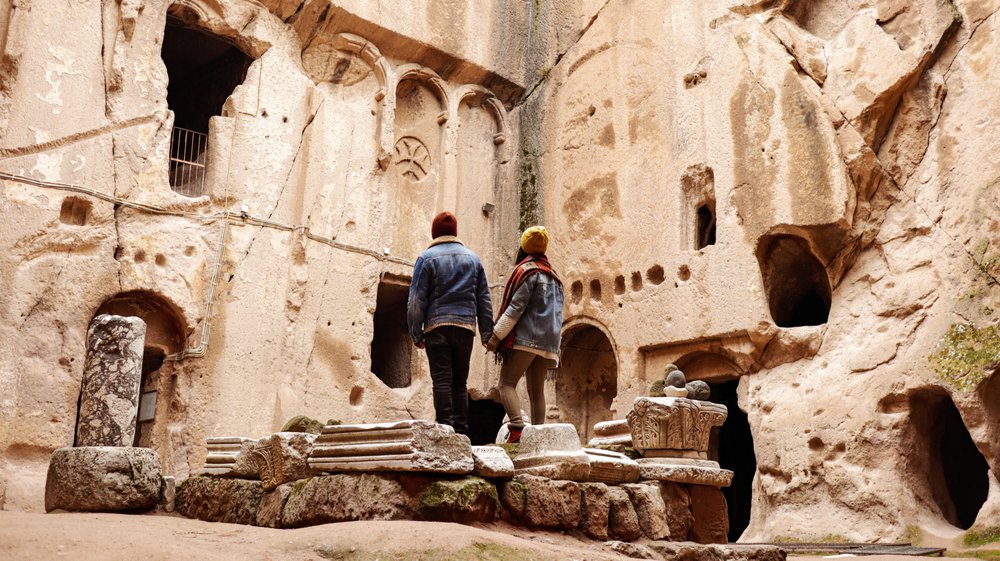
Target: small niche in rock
(74, 211)
(636, 281)
(796, 284)
(576, 291)
(655, 274)
(620, 285)
(392, 349)
(595, 290)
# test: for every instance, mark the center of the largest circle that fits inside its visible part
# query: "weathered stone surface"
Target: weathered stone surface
(678, 504)
(168, 495)
(596, 509)
(492, 461)
(611, 467)
(729, 552)
(302, 423)
(667, 424)
(344, 497)
(271, 506)
(514, 497)
(103, 479)
(623, 522)
(698, 389)
(230, 456)
(611, 433)
(650, 509)
(547, 503)
(220, 499)
(633, 550)
(552, 451)
(109, 395)
(418, 446)
(465, 500)
(711, 517)
(282, 458)
(666, 469)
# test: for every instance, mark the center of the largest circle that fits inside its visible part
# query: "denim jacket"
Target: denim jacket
(537, 307)
(449, 287)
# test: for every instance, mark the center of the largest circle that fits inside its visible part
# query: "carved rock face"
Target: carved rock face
(673, 423)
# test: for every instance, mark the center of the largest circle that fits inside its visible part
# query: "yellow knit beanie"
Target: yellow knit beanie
(535, 240)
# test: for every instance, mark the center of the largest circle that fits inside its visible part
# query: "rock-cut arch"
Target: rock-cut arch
(587, 382)
(795, 281)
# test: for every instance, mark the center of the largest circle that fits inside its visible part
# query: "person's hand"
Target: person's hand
(493, 344)
(421, 344)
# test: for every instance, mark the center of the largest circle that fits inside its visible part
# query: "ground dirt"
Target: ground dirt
(109, 537)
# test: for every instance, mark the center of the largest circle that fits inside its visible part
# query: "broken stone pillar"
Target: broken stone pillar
(103, 479)
(611, 467)
(109, 395)
(230, 456)
(552, 451)
(611, 433)
(420, 446)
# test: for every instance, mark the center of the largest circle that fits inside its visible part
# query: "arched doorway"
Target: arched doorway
(731, 444)
(587, 381)
(165, 335)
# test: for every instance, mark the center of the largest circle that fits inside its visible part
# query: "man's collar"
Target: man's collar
(445, 239)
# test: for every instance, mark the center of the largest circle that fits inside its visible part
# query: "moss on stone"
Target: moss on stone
(473, 552)
(528, 193)
(510, 449)
(975, 538)
(656, 388)
(967, 355)
(302, 423)
(458, 494)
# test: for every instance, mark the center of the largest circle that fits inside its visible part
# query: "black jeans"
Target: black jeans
(448, 351)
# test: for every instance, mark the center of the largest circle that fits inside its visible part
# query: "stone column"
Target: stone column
(109, 395)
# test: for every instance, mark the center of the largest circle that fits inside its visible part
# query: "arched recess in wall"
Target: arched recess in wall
(165, 335)
(421, 112)
(944, 462)
(393, 355)
(481, 123)
(797, 286)
(587, 383)
(731, 444)
(203, 70)
(699, 219)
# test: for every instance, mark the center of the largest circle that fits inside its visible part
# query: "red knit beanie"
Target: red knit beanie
(445, 224)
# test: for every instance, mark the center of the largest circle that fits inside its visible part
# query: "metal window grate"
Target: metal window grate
(188, 150)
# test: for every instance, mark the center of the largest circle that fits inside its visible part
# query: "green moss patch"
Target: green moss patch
(967, 355)
(975, 538)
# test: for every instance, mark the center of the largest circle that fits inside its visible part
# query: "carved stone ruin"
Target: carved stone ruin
(420, 446)
(109, 397)
(552, 451)
(230, 456)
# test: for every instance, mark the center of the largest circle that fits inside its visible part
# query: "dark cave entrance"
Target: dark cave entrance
(706, 225)
(732, 447)
(797, 287)
(392, 350)
(955, 469)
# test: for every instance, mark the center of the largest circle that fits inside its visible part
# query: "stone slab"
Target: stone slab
(492, 462)
(729, 552)
(283, 457)
(711, 515)
(552, 451)
(229, 456)
(611, 433)
(650, 508)
(409, 446)
(680, 473)
(611, 467)
(103, 479)
(623, 522)
(596, 508)
(109, 393)
(345, 497)
(220, 499)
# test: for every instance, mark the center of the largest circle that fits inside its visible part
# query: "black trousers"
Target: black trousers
(448, 351)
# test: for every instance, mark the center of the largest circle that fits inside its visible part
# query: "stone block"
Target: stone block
(103, 479)
(109, 393)
(678, 503)
(466, 500)
(415, 446)
(271, 506)
(345, 497)
(650, 509)
(633, 550)
(547, 503)
(229, 456)
(492, 461)
(611, 433)
(623, 522)
(672, 425)
(596, 507)
(282, 457)
(730, 552)
(552, 451)
(701, 473)
(711, 517)
(302, 423)
(220, 499)
(611, 467)
(168, 495)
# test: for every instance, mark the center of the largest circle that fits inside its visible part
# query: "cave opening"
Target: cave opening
(732, 446)
(392, 355)
(797, 287)
(706, 225)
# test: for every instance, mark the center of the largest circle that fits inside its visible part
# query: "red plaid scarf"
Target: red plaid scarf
(528, 266)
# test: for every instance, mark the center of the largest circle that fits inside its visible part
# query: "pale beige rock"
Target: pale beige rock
(552, 451)
(271, 506)
(103, 479)
(282, 458)
(650, 509)
(633, 550)
(231, 456)
(671, 426)
(343, 497)
(611, 467)
(419, 446)
(623, 522)
(596, 507)
(220, 499)
(109, 396)
(665, 469)
(492, 461)
(549, 503)
(611, 433)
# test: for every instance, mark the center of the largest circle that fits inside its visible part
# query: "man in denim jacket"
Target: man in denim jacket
(448, 296)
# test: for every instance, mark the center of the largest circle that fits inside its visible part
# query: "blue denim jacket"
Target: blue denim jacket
(449, 287)
(537, 306)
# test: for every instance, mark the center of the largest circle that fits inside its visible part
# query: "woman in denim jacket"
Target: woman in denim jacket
(528, 331)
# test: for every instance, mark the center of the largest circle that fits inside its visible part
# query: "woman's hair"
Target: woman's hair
(521, 255)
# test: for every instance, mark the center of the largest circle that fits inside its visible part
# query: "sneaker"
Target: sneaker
(514, 436)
